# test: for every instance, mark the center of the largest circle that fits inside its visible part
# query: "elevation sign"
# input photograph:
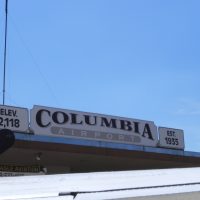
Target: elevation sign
(14, 118)
(74, 124)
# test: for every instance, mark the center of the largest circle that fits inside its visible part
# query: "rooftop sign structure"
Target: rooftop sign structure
(63, 123)
(74, 124)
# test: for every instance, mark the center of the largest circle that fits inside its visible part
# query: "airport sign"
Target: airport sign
(74, 124)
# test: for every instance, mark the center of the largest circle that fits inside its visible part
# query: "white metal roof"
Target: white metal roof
(104, 185)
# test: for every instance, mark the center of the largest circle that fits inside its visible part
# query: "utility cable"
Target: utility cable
(33, 59)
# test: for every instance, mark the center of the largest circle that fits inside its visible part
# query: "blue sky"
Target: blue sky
(131, 58)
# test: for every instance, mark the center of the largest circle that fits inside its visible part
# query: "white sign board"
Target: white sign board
(171, 138)
(73, 124)
(14, 118)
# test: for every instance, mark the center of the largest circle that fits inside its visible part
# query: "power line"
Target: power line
(5, 51)
(34, 61)
(28, 51)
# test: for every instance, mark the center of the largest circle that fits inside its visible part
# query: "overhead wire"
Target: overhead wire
(37, 66)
